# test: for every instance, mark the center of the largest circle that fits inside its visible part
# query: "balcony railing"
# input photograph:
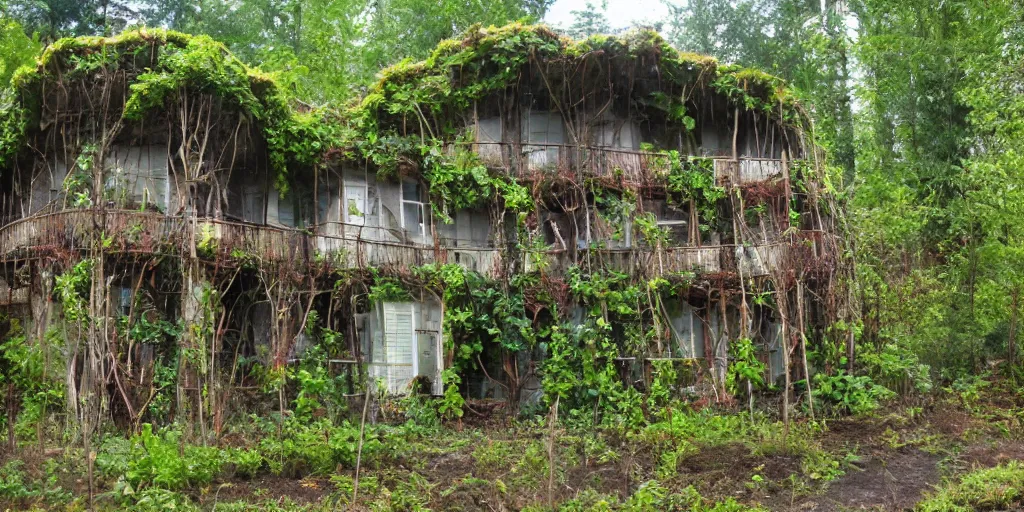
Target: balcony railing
(144, 232)
(633, 166)
(133, 231)
(746, 170)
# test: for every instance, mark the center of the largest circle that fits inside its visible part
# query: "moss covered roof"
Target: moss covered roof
(486, 60)
(162, 64)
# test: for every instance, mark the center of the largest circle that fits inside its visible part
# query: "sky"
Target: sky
(620, 13)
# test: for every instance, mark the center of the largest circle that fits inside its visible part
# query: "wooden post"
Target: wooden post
(551, 454)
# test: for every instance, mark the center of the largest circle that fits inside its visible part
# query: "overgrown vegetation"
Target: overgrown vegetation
(622, 417)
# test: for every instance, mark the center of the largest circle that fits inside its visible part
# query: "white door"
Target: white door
(399, 345)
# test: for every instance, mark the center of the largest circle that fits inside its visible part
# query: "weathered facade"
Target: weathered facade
(691, 187)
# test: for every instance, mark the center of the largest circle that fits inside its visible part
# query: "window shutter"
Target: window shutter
(398, 344)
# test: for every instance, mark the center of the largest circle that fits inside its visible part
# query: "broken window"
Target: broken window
(595, 229)
(124, 302)
(489, 135)
(354, 207)
(673, 221)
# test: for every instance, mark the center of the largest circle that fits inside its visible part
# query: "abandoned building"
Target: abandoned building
(163, 206)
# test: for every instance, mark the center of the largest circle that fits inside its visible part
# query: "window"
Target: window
(138, 176)
(414, 210)
(595, 229)
(286, 211)
(543, 132)
(354, 208)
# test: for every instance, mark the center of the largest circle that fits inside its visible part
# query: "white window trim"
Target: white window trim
(423, 214)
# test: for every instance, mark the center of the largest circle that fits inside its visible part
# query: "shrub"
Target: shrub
(159, 461)
(15, 488)
(898, 368)
(318, 447)
(855, 394)
(155, 499)
(247, 462)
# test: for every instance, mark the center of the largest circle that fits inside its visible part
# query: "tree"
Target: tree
(799, 40)
(16, 49)
(589, 21)
(53, 19)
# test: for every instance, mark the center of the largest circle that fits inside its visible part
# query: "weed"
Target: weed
(16, 488)
(855, 394)
(159, 461)
(998, 488)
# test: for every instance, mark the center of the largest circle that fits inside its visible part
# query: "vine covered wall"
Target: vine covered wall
(616, 275)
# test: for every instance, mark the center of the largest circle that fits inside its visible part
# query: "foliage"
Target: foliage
(897, 368)
(450, 405)
(694, 180)
(158, 461)
(17, 489)
(184, 64)
(314, 447)
(72, 287)
(855, 394)
(24, 373)
(387, 289)
(998, 488)
(16, 49)
(459, 180)
(744, 366)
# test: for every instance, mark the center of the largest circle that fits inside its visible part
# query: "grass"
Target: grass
(688, 460)
(998, 488)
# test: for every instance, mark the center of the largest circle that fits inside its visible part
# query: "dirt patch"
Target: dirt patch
(854, 431)
(732, 460)
(951, 422)
(724, 471)
(895, 481)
